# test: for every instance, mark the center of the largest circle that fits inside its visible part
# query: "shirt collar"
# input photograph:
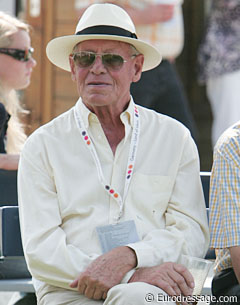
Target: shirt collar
(126, 117)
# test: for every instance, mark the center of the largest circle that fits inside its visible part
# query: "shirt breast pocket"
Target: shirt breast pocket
(149, 196)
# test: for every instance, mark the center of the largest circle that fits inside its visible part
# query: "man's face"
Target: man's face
(99, 85)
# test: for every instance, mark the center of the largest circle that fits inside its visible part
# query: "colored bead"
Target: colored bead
(88, 142)
(111, 191)
(107, 187)
(84, 133)
(128, 176)
(130, 166)
(115, 195)
(86, 138)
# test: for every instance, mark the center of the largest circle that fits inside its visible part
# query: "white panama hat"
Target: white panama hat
(102, 21)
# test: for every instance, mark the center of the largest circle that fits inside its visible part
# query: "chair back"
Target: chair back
(8, 188)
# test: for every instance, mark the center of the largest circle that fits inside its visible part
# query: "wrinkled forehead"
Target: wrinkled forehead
(103, 45)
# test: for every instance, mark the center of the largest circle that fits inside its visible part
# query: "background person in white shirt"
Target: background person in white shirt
(109, 192)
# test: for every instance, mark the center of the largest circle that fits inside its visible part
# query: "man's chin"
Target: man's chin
(96, 101)
(97, 98)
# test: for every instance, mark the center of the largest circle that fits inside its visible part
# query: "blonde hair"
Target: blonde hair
(16, 136)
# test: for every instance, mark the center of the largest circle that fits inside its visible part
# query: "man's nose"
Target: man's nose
(98, 66)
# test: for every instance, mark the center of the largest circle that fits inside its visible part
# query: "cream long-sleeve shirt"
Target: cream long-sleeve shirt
(62, 201)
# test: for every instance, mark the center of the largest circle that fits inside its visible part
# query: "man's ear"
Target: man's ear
(73, 68)
(138, 67)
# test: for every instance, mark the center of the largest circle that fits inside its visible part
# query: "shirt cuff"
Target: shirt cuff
(145, 255)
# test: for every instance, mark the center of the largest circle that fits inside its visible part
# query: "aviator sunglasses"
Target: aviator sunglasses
(85, 59)
(18, 54)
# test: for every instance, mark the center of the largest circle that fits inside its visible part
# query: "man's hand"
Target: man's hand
(173, 278)
(235, 256)
(105, 272)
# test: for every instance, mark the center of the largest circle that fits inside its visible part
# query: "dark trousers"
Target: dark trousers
(160, 89)
(15, 268)
(26, 299)
(225, 286)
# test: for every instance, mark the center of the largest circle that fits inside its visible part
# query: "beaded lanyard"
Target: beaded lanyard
(131, 157)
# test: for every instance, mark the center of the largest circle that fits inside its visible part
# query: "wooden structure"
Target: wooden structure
(53, 92)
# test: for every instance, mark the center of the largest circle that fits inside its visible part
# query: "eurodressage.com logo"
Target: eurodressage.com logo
(160, 298)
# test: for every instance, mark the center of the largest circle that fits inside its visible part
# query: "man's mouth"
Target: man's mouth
(98, 84)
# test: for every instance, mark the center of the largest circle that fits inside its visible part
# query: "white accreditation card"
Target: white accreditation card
(116, 235)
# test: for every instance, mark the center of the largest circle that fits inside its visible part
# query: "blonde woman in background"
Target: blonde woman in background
(16, 65)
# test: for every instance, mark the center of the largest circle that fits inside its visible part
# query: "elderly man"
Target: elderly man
(160, 23)
(110, 194)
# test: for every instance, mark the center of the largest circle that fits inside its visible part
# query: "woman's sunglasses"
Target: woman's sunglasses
(21, 55)
(85, 59)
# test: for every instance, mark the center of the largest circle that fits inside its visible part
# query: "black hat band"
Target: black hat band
(107, 30)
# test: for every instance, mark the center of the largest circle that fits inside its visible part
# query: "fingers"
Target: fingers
(186, 274)
(82, 287)
(182, 281)
(91, 289)
(168, 285)
(94, 293)
(74, 284)
(79, 284)
(175, 280)
(89, 292)
(104, 295)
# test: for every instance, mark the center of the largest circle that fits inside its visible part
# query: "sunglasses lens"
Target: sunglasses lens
(113, 61)
(27, 54)
(84, 60)
(21, 55)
